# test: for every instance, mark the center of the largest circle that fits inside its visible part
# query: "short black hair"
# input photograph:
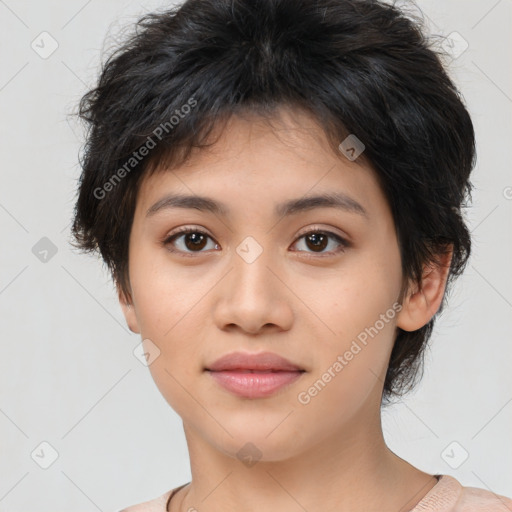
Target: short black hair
(359, 67)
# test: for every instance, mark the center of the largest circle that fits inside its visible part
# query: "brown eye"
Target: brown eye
(194, 241)
(188, 241)
(318, 241)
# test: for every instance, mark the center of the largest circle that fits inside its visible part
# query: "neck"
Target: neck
(350, 471)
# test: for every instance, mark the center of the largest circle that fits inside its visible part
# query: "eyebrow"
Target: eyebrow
(338, 200)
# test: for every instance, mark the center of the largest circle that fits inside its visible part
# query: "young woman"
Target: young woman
(276, 186)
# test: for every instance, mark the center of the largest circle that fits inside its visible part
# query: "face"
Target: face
(317, 286)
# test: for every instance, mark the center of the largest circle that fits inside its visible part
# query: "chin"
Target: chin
(253, 441)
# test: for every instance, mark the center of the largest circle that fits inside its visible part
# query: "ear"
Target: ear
(128, 310)
(421, 304)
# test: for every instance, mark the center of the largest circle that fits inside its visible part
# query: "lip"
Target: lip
(263, 361)
(254, 375)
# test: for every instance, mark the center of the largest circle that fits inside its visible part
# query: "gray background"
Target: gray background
(68, 374)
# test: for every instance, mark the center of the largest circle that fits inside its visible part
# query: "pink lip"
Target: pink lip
(254, 375)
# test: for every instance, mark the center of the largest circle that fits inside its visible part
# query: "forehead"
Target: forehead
(266, 161)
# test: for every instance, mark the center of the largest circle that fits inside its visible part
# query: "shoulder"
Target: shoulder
(473, 499)
(448, 495)
(154, 505)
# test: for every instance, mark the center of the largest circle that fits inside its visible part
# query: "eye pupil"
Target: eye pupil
(197, 239)
(319, 240)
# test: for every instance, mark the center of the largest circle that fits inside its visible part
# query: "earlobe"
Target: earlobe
(421, 303)
(128, 311)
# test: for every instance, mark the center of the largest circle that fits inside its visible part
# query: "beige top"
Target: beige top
(448, 495)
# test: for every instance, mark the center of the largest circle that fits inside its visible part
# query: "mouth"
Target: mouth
(252, 370)
(254, 375)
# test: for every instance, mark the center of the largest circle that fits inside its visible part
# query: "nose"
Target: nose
(253, 297)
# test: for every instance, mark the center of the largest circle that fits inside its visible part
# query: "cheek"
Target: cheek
(165, 294)
(172, 313)
(351, 368)
(357, 308)
(352, 298)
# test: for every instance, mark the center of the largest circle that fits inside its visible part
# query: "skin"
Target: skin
(328, 454)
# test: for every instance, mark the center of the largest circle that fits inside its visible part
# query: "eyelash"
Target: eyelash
(183, 231)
